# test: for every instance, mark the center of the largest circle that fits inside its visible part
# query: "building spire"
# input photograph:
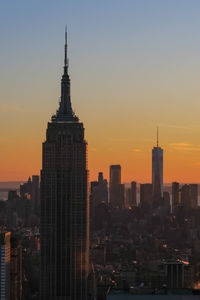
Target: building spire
(65, 112)
(66, 62)
(157, 136)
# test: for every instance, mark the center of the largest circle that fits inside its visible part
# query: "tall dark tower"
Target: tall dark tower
(157, 168)
(64, 203)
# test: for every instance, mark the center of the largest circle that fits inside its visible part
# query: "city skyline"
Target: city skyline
(154, 67)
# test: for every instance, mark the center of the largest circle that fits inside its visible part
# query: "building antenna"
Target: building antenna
(66, 63)
(157, 137)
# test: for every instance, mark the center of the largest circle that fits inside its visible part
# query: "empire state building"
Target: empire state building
(64, 203)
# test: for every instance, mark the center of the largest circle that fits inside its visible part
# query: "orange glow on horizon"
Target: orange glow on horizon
(23, 160)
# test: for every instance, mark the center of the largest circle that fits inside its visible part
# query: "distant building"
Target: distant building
(175, 196)
(194, 195)
(116, 189)
(32, 188)
(98, 192)
(35, 192)
(133, 200)
(16, 270)
(186, 196)
(26, 188)
(128, 197)
(12, 196)
(146, 190)
(157, 168)
(5, 265)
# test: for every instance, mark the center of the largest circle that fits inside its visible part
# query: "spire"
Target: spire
(157, 136)
(66, 62)
(65, 112)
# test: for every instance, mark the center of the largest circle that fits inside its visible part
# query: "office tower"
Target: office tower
(146, 190)
(133, 201)
(186, 196)
(5, 265)
(35, 192)
(116, 189)
(194, 195)
(157, 169)
(98, 193)
(64, 203)
(175, 196)
(102, 189)
(16, 270)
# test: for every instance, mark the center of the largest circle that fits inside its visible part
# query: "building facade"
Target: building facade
(16, 270)
(146, 195)
(5, 265)
(64, 204)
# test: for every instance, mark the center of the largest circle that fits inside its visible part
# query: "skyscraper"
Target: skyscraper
(133, 194)
(146, 195)
(157, 169)
(64, 203)
(116, 189)
(175, 196)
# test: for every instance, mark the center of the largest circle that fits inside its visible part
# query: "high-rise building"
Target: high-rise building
(157, 169)
(130, 199)
(64, 204)
(5, 265)
(116, 189)
(189, 196)
(98, 194)
(146, 195)
(26, 188)
(175, 196)
(186, 197)
(133, 199)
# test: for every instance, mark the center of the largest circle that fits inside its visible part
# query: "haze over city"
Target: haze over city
(134, 66)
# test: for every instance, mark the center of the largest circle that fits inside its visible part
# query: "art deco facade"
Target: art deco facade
(64, 204)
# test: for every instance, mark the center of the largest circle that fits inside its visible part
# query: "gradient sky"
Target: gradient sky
(134, 65)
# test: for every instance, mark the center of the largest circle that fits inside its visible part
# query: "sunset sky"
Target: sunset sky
(134, 65)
